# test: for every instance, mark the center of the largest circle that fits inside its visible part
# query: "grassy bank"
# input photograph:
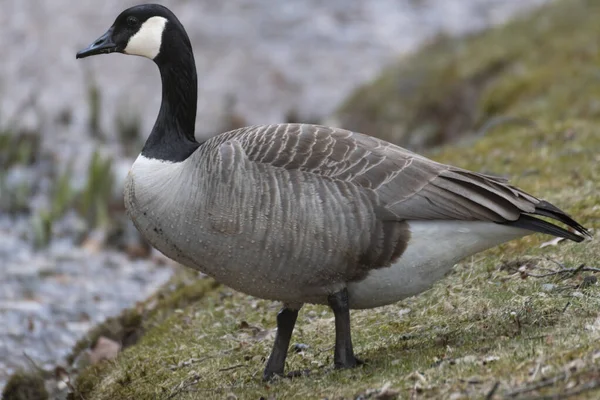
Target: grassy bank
(502, 324)
(490, 321)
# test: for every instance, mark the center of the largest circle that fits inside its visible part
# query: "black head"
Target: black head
(139, 30)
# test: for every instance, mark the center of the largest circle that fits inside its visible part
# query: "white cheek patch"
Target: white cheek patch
(146, 42)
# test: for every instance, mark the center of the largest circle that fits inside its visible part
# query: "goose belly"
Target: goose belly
(238, 261)
(251, 246)
(434, 248)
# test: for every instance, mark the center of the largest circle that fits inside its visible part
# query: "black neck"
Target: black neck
(172, 138)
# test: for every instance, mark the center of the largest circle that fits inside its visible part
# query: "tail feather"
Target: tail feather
(538, 225)
(549, 210)
(545, 209)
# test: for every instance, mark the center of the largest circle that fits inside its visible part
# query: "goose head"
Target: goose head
(148, 30)
(154, 32)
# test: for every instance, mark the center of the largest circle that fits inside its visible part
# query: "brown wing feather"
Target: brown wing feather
(408, 186)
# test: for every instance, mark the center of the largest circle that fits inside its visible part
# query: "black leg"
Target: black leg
(286, 319)
(343, 355)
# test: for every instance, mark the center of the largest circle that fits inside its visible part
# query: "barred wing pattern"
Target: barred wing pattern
(406, 184)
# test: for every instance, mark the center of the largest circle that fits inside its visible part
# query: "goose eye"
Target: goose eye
(132, 22)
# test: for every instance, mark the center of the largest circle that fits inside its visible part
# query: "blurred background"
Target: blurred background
(69, 130)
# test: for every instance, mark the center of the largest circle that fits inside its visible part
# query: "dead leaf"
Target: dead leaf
(470, 359)
(575, 365)
(490, 359)
(553, 242)
(448, 307)
(417, 376)
(105, 349)
(385, 393)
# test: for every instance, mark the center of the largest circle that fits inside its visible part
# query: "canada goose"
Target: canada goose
(304, 213)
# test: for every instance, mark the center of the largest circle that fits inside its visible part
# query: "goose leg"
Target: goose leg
(343, 354)
(286, 319)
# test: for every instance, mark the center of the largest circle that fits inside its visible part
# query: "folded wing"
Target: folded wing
(406, 185)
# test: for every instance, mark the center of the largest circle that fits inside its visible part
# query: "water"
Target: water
(51, 298)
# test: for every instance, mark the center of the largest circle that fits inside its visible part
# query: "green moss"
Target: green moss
(25, 386)
(488, 323)
(545, 62)
(131, 324)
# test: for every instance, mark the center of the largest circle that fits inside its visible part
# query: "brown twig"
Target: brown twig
(592, 385)
(562, 271)
(232, 367)
(189, 362)
(492, 391)
(586, 387)
(327, 349)
(183, 386)
(537, 385)
(563, 376)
